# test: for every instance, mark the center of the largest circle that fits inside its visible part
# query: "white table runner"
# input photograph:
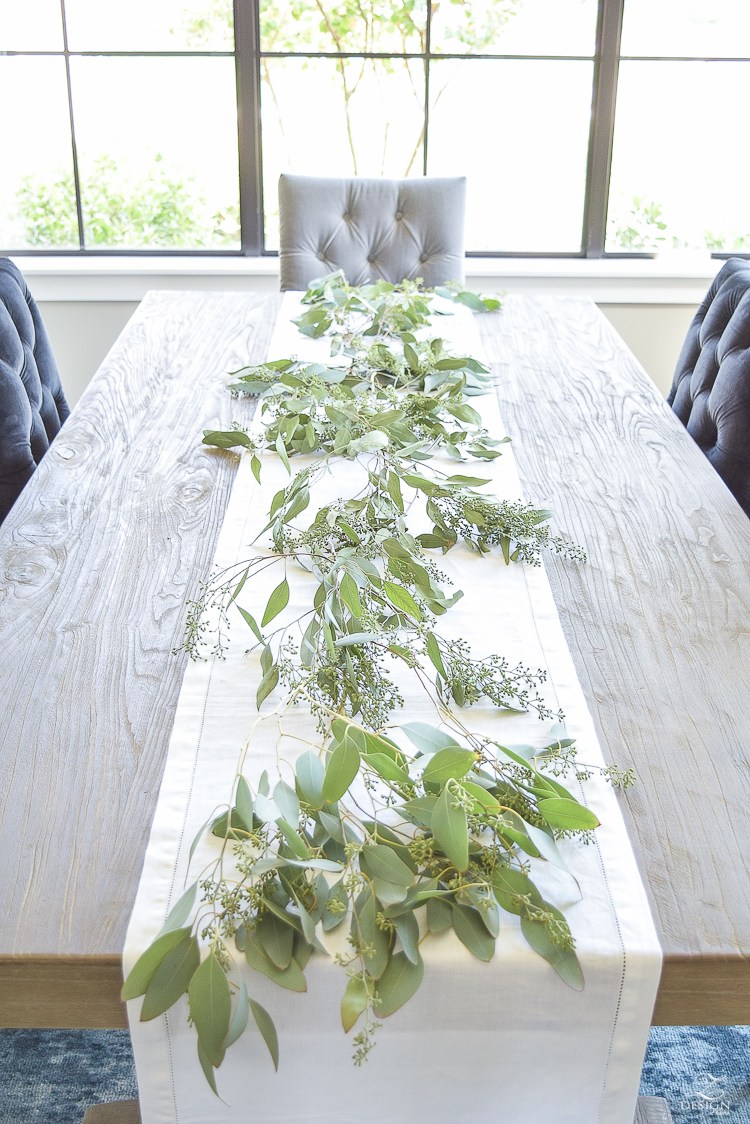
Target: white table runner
(500, 1042)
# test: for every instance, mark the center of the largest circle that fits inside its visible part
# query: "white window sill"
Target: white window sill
(680, 279)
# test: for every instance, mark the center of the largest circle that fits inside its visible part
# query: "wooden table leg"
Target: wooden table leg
(116, 1112)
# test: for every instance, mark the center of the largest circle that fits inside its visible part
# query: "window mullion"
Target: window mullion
(606, 67)
(247, 50)
(74, 147)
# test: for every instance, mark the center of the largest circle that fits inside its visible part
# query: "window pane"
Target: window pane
(37, 195)
(157, 148)
(150, 25)
(702, 28)
(363, 117)
(27, 27)
(343, 25)
(514, 27)
(519, 131)
(663, 193)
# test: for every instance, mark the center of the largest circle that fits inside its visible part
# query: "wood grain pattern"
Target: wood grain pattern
(61, 991)
(120, 523)
(127, 1112)
(97, 560)
(658, 624)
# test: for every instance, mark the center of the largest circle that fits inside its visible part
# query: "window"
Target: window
(583, 128)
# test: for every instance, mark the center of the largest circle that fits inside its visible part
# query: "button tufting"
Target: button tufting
(347, 217)
(399, 216)
(371, 261)
(321, 256)
(423, 257)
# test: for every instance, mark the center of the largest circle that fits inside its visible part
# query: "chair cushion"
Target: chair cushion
(32, 403)
(373, 229)
(711, 388)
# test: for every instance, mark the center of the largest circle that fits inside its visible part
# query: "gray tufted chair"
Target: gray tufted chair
(373, 229)
(711, 388)
(32, 403)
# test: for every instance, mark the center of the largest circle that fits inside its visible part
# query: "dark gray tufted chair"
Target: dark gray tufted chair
(711, 388)
(32, 403)
(373, 229)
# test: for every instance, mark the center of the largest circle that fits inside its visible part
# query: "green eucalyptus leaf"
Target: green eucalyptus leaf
(299, 503)
(287, 801)
(350, 595)
(294, 841)
(332, 824)
(402, 599)
(511, 887)
(483, 900)
(310, 776)
(226, 439)
(244, 801)
(210, 1007)
(567, 814)
(428, 739)
(308, 925)
(278, 600)
(171, 979)
(355, 638)
(439, 915)
(238, 1021)
(472, 932)
(276, 938)
(421, 808)
(208, 1069)
(407, 928)
(546, 847)
(145, 967)
(336, 896)
(471, 300)
(250, 620)
(433, 651)
(180, 912)
(563, 960)
(267, 685)
(302, 950)
(266, 1026)
(385, 767)
(447, 764)
(309, 864)
(370, 442)
(379, 861)
(450, 830)
(292, 978)
(398, 984)
(354, 1002)
(343, 766)
(281, 450)
(366, 930)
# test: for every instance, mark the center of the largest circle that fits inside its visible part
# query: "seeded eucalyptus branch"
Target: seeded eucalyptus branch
(384, 831)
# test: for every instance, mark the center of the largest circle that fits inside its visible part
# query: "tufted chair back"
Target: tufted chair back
(711, 388)
(32, 403)
(373, 229)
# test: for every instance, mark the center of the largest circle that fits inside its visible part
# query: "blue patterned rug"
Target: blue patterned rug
(51, 1076)
(703, 1071)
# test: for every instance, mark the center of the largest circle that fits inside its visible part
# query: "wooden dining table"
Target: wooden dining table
(113, 535)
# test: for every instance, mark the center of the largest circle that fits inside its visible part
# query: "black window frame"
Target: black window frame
(248, 54)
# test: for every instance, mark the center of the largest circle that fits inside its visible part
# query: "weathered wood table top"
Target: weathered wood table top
(118, 527)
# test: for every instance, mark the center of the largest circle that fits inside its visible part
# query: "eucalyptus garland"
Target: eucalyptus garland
(391, 830)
